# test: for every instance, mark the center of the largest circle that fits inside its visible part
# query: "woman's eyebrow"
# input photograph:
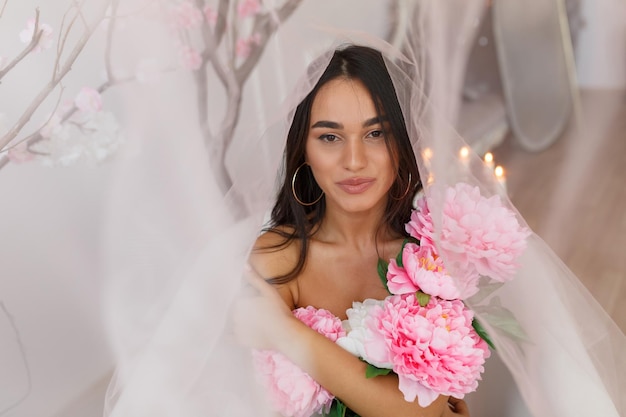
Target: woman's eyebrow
(327, 124)
(374, 121)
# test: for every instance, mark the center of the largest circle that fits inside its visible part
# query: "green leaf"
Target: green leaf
(399, 256)
(373, 371)
(480, 330)
(337, 409)
(422, 298)
(382, 272)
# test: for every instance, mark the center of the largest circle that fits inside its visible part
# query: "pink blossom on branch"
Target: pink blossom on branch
(45, 41)
(244, 45)
(248, 8)
(210, 15)
(88, 100)
(20, 154)
(185, 15)
(190, 57)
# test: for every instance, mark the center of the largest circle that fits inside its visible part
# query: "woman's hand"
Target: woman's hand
(457, 408)
(261, 319)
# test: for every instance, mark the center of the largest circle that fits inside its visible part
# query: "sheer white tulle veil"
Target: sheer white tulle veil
(176, 247)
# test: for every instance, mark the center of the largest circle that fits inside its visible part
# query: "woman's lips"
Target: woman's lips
(356, 185)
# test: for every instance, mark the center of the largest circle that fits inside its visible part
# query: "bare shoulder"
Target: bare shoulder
(272, 256)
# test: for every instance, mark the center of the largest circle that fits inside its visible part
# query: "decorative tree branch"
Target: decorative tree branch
(111, 81)
(32, 45)
(4, 5)
(56, 79)
(232, 77)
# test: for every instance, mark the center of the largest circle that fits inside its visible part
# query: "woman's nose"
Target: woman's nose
(355, 157)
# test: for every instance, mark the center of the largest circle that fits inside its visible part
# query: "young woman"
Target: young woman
(350, 179)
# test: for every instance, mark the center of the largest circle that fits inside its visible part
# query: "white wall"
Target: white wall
(602, 44)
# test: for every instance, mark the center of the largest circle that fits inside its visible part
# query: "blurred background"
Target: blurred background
(544, 94)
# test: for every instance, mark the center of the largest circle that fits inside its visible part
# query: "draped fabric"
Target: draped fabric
(176, 246)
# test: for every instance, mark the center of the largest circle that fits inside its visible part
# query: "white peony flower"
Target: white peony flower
(356, 328)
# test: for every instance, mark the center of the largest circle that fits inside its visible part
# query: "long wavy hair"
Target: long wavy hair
(293, 221)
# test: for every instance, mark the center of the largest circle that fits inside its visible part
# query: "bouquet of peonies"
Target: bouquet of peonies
(423, 331)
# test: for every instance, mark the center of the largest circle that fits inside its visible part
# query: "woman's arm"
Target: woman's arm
(266, 322)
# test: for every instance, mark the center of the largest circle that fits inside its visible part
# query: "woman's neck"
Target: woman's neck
(361, 230)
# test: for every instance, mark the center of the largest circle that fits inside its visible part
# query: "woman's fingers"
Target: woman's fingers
(460, 407)
(258, 283)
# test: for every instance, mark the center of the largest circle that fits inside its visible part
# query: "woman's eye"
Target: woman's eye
(329, 137)
(376, 134)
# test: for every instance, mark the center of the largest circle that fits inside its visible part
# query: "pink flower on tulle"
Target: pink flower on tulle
(433, 349)
(248, 8)
(185, 16)
(292, 392)
(46, 39)
(244, 46)
(421, 225)
(88, 100)
(210, 15)
(20, 154)
(478, 234)
(190, 57)
(424, 270)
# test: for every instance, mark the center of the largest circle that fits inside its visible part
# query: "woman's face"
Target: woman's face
(346, 148)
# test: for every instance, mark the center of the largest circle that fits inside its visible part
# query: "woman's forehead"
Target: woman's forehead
(343, 99)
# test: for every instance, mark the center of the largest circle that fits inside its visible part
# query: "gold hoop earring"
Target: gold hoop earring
(293, 189)
(406, 191)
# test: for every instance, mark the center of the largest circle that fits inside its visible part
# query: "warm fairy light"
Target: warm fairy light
(489, 160)
(500, 177)
(464, 155)
(431, 179)
(427, 154)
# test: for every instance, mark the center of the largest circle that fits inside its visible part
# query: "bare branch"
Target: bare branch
(37, 34)
(4, 5)
(109, 40)
(220, 25)
(63, 34)
(211, 44)
(43, 94)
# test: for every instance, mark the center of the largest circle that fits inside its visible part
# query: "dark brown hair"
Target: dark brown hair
(292, 220)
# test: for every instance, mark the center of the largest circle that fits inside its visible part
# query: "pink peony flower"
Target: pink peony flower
(88, 100)
(322, 321)
(420, 226)
(248, 8)
(185, 16)
(190, 57)
(424, 270)
(433, 349)
(46, 39)
(293, 392)
(478, 234)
